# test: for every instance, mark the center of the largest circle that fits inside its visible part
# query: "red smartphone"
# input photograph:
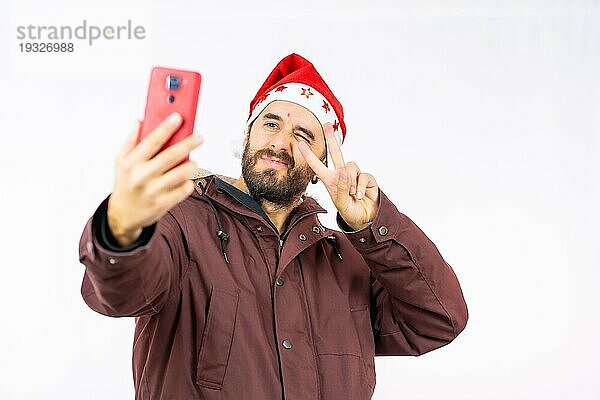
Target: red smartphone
(171, 90)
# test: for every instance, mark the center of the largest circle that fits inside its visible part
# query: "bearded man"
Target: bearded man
(238, 291)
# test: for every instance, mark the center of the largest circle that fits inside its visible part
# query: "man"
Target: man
(238, 290)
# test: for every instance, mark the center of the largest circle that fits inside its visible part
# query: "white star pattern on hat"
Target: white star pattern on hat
(302, 95)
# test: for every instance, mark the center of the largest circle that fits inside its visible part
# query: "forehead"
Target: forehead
(295, 113)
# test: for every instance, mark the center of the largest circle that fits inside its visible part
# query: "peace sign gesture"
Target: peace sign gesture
(354, 193)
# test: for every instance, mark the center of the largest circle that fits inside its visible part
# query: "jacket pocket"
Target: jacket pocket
(217, 338)
(362, 320)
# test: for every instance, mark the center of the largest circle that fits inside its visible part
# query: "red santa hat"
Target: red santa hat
(295, 79)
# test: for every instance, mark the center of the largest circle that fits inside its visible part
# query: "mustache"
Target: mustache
(283, 156)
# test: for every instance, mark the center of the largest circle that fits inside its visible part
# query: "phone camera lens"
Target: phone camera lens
(173, 82)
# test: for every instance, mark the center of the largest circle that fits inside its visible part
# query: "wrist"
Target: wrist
(122, 234)
(350, 227)
(126, 238)
(359, 227)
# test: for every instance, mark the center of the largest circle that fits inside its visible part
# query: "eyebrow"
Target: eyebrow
(276, 117)
(272, 116)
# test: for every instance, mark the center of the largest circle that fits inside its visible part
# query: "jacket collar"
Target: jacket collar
(303, 220)
(219, 189)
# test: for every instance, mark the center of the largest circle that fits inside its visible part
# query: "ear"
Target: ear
(248, 129)
(315, 178)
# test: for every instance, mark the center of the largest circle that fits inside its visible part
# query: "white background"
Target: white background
(480, 120)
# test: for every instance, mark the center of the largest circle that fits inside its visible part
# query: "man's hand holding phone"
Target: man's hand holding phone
(149, 182)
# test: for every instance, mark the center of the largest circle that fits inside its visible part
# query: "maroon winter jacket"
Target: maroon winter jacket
(227, 308)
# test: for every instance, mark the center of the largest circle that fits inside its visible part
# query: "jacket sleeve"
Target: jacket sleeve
(417, 302)
(136, 280)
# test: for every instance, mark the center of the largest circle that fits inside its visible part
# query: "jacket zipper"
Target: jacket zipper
(287, 231)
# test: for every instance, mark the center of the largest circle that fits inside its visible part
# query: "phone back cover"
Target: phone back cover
(158, 106)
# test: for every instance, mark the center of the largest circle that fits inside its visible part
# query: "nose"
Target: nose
(282, 140)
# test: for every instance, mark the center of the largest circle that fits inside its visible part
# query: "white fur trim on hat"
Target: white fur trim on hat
(305, 96)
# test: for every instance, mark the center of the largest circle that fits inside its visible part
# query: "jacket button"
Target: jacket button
(113, 261)
(383, 230)
(362, 240)
(287, 344)
(316, 229)
(302, 237)
(279, 281)
(259, 228)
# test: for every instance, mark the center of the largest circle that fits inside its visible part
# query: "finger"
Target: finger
(363, 179)
(334, 147)
(177, 194)
(365, 182)
(343, 188)
(172, 155)
(313, 161)
(152, 143)
(354, 172)
(131, 140)
(173, 178)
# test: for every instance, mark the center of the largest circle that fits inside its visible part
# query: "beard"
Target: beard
(266, 185)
